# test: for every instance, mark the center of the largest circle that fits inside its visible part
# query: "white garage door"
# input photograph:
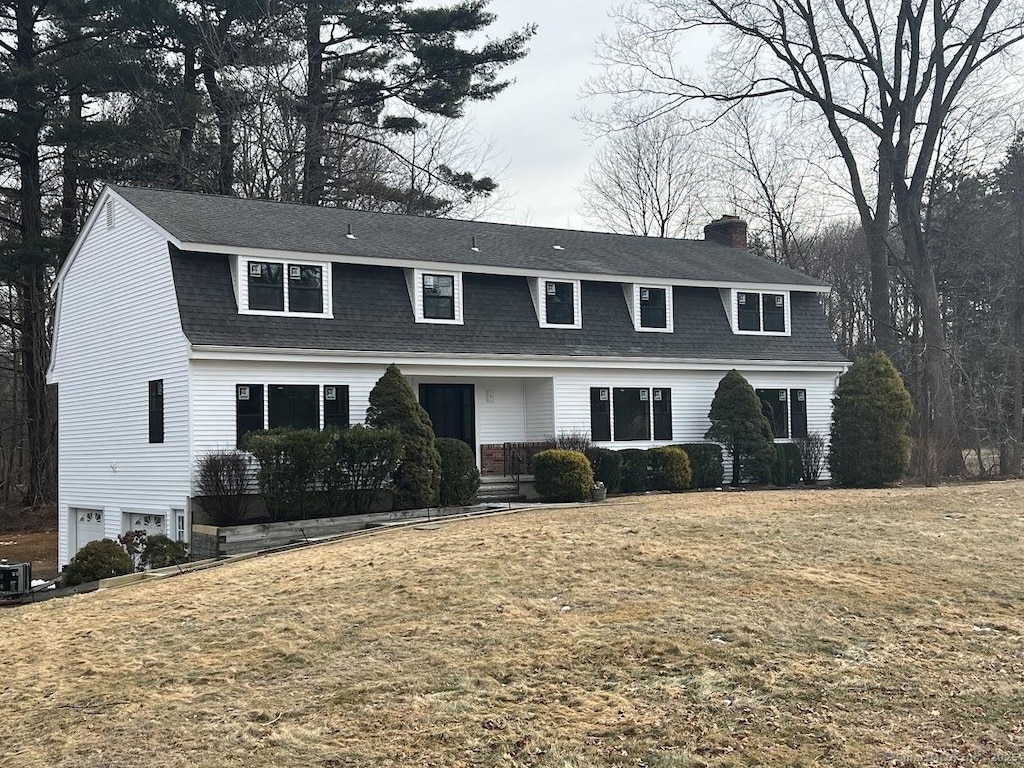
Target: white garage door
(151, 524)
(88, 527)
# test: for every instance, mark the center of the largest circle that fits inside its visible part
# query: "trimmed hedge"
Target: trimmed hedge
(670, 469)
(97, 560)
(562, 475)
(788, 466)
(607, 467)
(460, 479)
(635, 470)
(706, 464)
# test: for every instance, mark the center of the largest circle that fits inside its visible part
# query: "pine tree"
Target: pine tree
(740, 427)
(870, 424)
(393, 405)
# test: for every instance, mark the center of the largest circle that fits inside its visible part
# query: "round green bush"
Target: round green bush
(460, 479)
(97, 560)
(635, 470)
(870, 424)
(161, 551)
(562, 475)
(706, 464)
(670, 469)
(607, 466)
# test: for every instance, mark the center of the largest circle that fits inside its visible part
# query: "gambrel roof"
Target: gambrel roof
(229, 224)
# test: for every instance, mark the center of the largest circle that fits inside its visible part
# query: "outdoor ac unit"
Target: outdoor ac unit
(15, 579)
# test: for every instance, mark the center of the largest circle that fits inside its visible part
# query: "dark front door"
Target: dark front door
(452, 410)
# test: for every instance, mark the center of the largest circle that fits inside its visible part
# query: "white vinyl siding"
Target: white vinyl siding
(540, 409)
(118, 329)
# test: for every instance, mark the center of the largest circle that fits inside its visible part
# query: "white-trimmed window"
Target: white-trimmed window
(557, 302)
(436, 295)
(760, 312)
(650, 307)
(284, 287)
(624, 414)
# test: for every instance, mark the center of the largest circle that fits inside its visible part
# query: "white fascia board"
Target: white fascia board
(423, 264)
(264, 354)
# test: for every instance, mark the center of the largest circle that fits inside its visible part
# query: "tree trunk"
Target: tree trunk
(225, 128)
(32, 289)
(180, 174)
(70, 174)
(314, 177)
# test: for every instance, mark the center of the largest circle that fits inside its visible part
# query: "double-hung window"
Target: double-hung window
(786, 411)
(761, 312)
(654, 309)
(558, 302)
(272, 286)
(438, 297)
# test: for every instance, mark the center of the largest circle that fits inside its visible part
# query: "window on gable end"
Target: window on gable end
(266, 286)
(438, 297)
(559, 303)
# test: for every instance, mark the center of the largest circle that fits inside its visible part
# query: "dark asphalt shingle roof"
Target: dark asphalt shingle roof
(244, 223)
(372, 313)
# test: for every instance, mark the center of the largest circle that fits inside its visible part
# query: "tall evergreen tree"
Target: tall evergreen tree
(739, 426)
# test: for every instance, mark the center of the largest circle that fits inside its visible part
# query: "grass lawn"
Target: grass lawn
(803, 628)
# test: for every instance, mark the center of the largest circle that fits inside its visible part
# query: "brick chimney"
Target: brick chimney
(728, 230)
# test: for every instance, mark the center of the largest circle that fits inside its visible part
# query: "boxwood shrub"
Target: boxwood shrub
(635, 470)
(706, 464)
(607, 466)
(460, 479)
(562, 475)
(670, 469)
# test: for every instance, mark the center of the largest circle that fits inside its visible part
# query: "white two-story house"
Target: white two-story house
(186, 320)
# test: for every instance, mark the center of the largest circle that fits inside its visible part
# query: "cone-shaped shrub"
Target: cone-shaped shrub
(739, 426)
(870, 424)
(562, 475)
(393, 405)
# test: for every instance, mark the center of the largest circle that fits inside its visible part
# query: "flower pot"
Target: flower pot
(598, 493)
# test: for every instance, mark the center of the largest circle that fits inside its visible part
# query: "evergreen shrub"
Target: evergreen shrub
(607, 467)
(460, 478)
(393, 405)
(706, 464)
(670, 469)
(291, 467)
(161, 551)
(561, 475)
(97, 560)
(635, 470)
(788, 466)
(739, 426)
(871, 413)
(361, 461)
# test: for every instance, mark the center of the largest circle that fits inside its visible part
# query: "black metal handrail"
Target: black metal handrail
(517, 458)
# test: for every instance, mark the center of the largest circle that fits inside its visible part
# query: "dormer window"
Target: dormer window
(436, 296)
(650, 307)
(274, 286)
(557, 302)
(761, 312)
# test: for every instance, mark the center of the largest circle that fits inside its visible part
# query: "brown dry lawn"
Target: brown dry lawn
(802, 628)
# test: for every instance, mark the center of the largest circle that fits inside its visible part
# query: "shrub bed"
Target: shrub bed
(788, 466)
(635, 470)
(607, 467)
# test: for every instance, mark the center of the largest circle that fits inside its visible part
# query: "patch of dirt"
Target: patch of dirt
(40, 549)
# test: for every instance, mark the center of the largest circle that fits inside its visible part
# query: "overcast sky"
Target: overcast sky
(531, 123)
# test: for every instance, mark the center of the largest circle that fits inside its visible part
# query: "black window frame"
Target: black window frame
(283, 403)
(437, 300)
(336, 410)
(156, 410)
(625, 422)
(266, 296)
(798, 414)
(601, 414)
(248, 411)
(773, 314)
(303, 288)
(661, 406)
(555, 304)
(778, 418)
(649, 309)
